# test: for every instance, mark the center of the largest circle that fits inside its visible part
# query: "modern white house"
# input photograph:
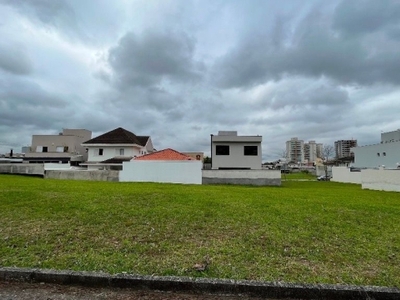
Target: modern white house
(114, 147)
(231, 151)
(59, 148)
(385, 154)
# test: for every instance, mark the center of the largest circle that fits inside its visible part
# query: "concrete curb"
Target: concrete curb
(201, 285)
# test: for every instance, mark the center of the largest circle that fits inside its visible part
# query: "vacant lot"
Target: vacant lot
(311, 232)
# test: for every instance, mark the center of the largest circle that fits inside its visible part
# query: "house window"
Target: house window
(250, 150)
(65, 148)
(100, 152)
(121, 151)
(378, 154)
(221, 150)
(59, 149)
(384, 153)
(44, 149)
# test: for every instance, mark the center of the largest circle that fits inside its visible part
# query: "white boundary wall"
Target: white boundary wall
(188, 172)
(54, 166)
(343, 174)
(382, 180)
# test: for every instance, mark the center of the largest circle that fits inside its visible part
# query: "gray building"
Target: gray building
(342, 148)
(63, 147)
(231, 151)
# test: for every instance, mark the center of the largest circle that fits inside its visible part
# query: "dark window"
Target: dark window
(251, 150)
(384, 153)
(44, 149)
(65, 148)
(222, 150)
(100, 151)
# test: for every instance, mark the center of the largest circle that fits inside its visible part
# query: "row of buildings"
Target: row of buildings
(302, 152)
(386, 153)
(111, 149)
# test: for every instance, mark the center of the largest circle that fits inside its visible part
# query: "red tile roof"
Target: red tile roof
(166, 154)
(119, 136)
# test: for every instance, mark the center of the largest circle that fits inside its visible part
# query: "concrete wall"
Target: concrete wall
(382, 180)
(98, 175)
(343, 174)
(250, 177)
(25, 169)
(188, 172)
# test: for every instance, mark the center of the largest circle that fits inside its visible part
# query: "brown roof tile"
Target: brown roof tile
(119, 136)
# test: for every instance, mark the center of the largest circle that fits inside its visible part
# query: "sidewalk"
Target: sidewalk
(185, 286)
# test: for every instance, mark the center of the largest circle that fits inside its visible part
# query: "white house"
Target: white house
(114, 147)
(230, 151)
(386, 153)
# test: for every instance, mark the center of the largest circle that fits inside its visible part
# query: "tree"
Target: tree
(327, 152)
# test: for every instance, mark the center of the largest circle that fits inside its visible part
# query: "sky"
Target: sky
(180, 70)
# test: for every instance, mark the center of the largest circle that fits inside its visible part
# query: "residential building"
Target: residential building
(295, 150)
(386, 153)
(114, 147)
(63, 147)
(230, 151)
(312, 151)
(342, 148)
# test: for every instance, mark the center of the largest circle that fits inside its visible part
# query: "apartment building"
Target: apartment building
(312, 151)
(342, 148)
(295, 150)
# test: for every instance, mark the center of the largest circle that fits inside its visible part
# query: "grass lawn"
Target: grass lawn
(297, 176)
(304, 232)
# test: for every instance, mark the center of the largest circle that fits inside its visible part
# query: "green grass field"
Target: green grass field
(304, 232)
(298, 176)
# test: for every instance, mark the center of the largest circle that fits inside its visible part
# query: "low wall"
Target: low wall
(54, 166)
(244, 177)
(343, 174)
(94, 175)
(24, 169)
(188, 172)
(382, 180)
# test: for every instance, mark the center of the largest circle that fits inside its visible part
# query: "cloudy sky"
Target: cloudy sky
(180, 70)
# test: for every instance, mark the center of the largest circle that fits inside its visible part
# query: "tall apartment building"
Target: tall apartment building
(342, 148)
(295, 150)
(312, 151)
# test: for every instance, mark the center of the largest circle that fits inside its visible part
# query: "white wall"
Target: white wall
(236, 157)
(188, 172)
(343, 174)
(110, 152)
(367, 156)
(54, 166)
(383, 180)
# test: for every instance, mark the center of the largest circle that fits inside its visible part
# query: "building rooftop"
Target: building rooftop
(166, 154)
(118, 136)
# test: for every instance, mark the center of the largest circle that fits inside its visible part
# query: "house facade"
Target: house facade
(63, 147)
(386, 153)
(116, 146)
(230, 151)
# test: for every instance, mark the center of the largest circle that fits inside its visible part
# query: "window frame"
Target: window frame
(220, 152)
(250, 152)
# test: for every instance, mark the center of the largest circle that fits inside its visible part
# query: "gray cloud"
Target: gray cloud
(313, 50)
(148, 59)
(14, 59)
(358, 17)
